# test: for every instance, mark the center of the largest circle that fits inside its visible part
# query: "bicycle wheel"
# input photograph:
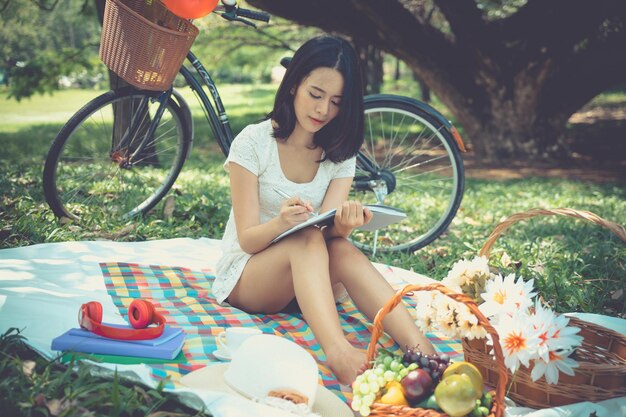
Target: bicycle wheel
(89, 171)
(415, 158)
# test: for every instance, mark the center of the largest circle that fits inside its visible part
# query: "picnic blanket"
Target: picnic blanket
(42, 287)
(184, 296)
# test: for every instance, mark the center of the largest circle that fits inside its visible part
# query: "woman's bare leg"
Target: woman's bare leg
(299, 266)
(370, 291)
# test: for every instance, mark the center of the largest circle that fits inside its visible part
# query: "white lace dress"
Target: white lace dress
(256, 150)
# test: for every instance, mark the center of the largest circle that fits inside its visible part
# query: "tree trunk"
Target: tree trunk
(372, 66)
(510, 82)
(424, 88)
(122, 115)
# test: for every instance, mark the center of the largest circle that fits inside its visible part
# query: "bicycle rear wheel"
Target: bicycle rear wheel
(89, 171)
(415, 157)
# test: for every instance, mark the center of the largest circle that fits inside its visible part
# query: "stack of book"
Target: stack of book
(166, 347)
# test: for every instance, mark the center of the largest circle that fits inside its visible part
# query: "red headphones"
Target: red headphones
(141, 314)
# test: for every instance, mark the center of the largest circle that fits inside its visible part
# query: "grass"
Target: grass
(33, 386)
(577, 266)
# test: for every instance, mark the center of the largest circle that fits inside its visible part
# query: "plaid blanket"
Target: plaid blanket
(184, 297)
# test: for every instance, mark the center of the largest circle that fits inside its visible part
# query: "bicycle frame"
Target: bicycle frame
(214, 111)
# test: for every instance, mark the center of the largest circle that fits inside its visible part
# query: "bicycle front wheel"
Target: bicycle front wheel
(89, 170)
(415, 156)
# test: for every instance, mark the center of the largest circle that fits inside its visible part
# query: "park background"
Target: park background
(537, 89)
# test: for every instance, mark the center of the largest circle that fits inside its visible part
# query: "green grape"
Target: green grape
(374, 386)
(389, 376)
(364, 388)
(387, 360)
(364, 411)
(371, 377)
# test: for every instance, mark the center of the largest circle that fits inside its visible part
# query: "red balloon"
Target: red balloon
(190, 9)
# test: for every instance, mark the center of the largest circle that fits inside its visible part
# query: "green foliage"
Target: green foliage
(39, 46)
(33, 386)
(236, 53)
(40, 74)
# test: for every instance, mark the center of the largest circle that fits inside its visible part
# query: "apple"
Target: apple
(455, 395)
(417, 385)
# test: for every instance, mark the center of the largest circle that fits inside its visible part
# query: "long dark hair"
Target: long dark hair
(342, 138)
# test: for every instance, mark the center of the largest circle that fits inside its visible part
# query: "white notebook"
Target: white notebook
(383, 216)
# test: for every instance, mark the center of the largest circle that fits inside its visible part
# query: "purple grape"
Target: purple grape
(415, 357)
(424, 361)
(432, 364)
(435, 375)
(442, 367)
(444, 358)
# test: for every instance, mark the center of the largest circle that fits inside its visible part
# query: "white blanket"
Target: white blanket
(43, 286)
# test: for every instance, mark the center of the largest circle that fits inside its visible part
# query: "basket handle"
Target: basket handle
(579, 214)
(377, 331)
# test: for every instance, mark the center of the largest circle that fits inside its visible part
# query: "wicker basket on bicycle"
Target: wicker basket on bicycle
(379, 409)
(601, 373)
(144, 43)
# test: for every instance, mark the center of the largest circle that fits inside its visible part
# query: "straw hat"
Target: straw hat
(274, 371)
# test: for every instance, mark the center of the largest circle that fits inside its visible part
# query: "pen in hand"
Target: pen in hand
(287, 196)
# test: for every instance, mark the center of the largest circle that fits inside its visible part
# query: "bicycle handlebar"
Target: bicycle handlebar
(253, 14)
(233, 13)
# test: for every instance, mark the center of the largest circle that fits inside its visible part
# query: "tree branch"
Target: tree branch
(466, 22)
(556, 25)
(600, 65)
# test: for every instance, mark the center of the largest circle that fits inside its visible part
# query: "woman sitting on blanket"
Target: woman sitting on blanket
(306, 149)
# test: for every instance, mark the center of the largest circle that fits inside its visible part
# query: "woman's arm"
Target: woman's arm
(350, 214)
(254, 236)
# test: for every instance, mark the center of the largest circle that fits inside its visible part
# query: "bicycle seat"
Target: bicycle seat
(285, 61)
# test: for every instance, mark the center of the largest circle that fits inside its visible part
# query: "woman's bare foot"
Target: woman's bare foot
(346, 362)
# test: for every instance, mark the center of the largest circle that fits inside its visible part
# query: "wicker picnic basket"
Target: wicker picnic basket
(144, 43)
(601, 373)
(378, 409)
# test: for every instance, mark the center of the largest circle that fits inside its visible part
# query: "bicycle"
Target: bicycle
(410, 157)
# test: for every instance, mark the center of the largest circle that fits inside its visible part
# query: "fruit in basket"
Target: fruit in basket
(456, 395)
(430, 402)
(393, 394)
(434, 364)
(190, 9)
(417, 385)
(468, 369)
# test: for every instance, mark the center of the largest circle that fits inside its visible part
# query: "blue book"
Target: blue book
(168, 334)
(72, 343)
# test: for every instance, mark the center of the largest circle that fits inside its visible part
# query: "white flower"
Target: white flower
(543, 321)
(468, 324)
(425, 311)
(506, 297)
(518, 339)
(564, 337)
(557, 361)
(468, 277)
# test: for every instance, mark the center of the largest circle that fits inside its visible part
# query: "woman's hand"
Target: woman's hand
(349, 216)
(295, 211)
